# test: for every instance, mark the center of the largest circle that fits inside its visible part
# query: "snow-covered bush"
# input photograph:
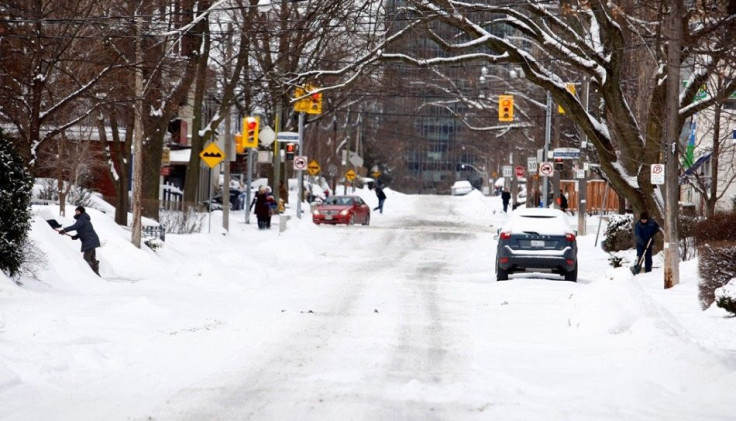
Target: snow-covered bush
(619, 236)
(16, 189)
(726, 297)
(715, 239)
(181, 222)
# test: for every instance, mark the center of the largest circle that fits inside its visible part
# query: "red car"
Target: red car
(346, 210)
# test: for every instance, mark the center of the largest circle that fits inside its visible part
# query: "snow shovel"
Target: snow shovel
(55, 225)
(637, 267)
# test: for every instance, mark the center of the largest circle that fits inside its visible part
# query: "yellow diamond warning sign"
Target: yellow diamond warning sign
(350, 175)
(313, 168)
(212, 155)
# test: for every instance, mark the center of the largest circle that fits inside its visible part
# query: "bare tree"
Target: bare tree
(55, 49)
(591, 38)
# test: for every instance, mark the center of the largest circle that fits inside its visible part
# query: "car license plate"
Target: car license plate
(329, 217)
(537, 243)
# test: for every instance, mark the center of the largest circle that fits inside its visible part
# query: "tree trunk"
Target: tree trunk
(191, 184)
(712, 196)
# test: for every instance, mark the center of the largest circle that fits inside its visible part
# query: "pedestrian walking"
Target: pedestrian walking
(644, 231)
(381, 198)
(262, 207)
(86, 233)
(505, 198)
(562, 200)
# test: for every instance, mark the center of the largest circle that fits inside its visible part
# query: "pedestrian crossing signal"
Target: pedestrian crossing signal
(505, 108)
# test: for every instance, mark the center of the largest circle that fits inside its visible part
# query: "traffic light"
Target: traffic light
(559, 165)
(239, 147)
(290, 149)
(250, 132)
(505, 108)
(315, 103)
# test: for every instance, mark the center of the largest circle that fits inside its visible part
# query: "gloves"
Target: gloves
(75, 237)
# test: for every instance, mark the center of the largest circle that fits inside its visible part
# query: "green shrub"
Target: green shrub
(16, 186)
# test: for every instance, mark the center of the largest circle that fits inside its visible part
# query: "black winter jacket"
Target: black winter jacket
(85, 231)
(644, 232)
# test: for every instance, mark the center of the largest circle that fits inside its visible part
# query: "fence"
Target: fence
(171, 197)
(596, 192)
(155, 231)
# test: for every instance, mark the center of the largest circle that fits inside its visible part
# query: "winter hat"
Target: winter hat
(644, 215)
(80, 209)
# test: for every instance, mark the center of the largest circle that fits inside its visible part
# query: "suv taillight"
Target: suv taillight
(505, 235)
(570, 238)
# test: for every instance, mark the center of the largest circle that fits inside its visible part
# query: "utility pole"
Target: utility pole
(229, 153)
(583, 182)
(137, 140)
(226, 182)
(671, 144)
(547, 130)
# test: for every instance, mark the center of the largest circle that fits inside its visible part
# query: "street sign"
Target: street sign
(267, 136)
(212, 155)
(566, 153)
(332, 170)
(531, 164)
(350, 175)
(580, 174)
(376, 174)
(313, 168)
(519, 171)
(300, 162)
(355, 159)
(288, 137)
(507, 170)
(546, 169)
(657, 173)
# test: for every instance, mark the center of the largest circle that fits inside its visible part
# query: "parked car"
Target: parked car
(237, 200)
(461, 187)
(537, 240)
(347, 210)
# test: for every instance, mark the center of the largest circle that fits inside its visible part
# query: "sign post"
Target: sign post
(212, 155)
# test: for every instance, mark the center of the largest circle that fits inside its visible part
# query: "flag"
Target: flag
(688, 159)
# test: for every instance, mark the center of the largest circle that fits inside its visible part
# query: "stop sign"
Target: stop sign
(519, 171)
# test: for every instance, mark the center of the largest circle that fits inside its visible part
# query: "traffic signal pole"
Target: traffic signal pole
(299, 177)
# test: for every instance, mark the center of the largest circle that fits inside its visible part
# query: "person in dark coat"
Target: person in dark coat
(86, 233)
(563, 202)
(381, 198)
(262, 207)
(505, 198)
(644, 230)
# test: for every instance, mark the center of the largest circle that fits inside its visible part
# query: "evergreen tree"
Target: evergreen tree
(16, 185)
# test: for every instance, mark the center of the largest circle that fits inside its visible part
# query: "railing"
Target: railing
(155, 232)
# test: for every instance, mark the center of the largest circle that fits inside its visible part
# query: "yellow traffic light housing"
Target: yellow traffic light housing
(505, 108)
(251, 126)
(239, 148)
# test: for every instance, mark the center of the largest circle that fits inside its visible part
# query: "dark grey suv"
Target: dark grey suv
(537, 240)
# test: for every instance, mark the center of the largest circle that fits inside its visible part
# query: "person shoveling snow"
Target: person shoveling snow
(644, 231)
(86, 233)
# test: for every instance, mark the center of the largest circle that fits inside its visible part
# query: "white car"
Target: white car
(460, 188)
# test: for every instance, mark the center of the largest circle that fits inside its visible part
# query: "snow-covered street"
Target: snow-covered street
(402, 319)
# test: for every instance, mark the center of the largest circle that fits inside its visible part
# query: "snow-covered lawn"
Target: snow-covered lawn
(402, 319)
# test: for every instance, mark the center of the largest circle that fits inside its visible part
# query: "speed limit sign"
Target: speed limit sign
(300, 162)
